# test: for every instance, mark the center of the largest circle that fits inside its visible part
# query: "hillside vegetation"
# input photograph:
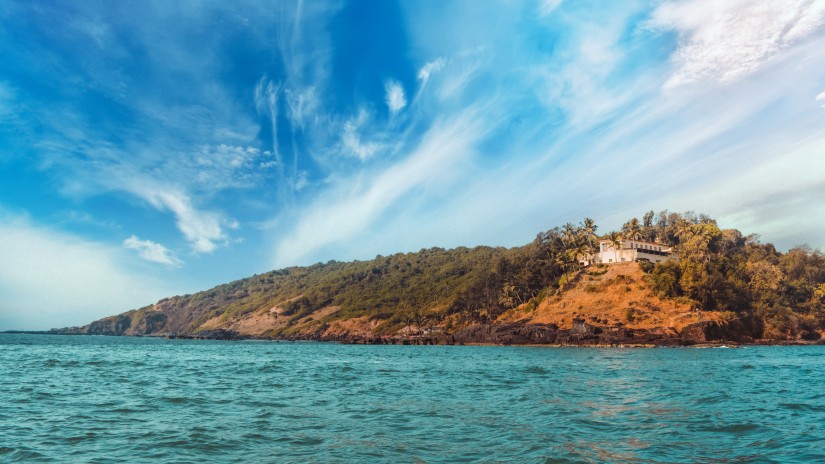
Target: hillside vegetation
(722, 277)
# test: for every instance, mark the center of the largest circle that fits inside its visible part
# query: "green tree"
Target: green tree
(588, 228)
(632, 230)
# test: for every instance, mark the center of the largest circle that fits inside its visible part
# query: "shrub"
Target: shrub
(646, 266)
(665, 279)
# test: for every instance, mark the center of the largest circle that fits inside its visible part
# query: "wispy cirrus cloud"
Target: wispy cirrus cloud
(351, 138)
(354, 205)
(151, 251)
(122, 133)
(724, 41)
(303, 104)
(430, 68)
(170, 183)
(266, 101)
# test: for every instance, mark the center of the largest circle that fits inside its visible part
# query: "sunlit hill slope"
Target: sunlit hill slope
(724, 286)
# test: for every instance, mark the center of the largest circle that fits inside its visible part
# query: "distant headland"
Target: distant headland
(668, 279)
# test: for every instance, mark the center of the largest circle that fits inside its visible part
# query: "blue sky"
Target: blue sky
(156, 148)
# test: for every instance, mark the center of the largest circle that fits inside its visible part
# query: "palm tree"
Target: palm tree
(508, 296)
(570, 232)
(561, 259)
(632, 230)
(581, 251)
(569, 262)
(684, 229)
(589, 227)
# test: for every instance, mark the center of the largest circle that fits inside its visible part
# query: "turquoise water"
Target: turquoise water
(107, 399)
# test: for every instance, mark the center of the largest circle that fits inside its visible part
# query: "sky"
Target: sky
(157, 148)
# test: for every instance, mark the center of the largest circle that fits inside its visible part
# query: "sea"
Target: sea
(97, 399)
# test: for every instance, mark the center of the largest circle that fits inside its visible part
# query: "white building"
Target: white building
(632, 250)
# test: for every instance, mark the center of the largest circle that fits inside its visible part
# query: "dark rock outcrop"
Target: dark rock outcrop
(114, 325)
(507, 334)
(738, 330)
(214, 334)
(149, 322)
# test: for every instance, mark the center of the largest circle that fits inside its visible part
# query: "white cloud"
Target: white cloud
(727, 40)
(821, 99)
(54, 279)
(351, 138)
(152, 251)
(201, 228)
(215, 167)
(396, 99)
(429, 69)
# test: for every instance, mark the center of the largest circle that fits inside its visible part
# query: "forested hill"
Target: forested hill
(722, 278)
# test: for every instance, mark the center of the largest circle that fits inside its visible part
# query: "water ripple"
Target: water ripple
(102, 399)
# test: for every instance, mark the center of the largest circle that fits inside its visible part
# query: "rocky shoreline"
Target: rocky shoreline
(581, 334)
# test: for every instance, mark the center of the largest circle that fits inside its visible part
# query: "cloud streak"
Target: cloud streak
(430, 68)
(151, 251)
(343, 214)
(266, 101)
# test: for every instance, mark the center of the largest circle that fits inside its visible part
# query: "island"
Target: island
(669, 279)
